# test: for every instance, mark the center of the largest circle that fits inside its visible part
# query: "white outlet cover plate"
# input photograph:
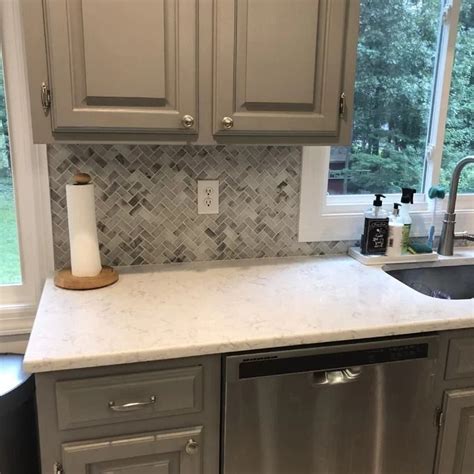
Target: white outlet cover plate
(208, 196)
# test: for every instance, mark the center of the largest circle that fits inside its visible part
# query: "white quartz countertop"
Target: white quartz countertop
(207, 308)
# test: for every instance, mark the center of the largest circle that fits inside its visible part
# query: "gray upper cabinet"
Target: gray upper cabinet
(283, 67)
(122, 65)
(456, 452)
(201, 71)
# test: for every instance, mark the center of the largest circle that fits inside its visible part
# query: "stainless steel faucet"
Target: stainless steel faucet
(446, 240)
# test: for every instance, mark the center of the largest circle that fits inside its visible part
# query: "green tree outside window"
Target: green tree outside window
(395, 64)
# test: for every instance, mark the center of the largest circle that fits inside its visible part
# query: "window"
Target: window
(404, 133)
(10, 269)
(395, 65)
(25, 220)
(459, 135)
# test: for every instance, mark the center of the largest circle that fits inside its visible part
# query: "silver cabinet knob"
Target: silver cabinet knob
(227, 123)
(192, 447)
(187, 121)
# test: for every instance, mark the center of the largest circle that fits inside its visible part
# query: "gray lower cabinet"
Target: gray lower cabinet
(118, 398)
(168, 452)
(284, 67)
(147, 418)
(165, 417)
(456, 449)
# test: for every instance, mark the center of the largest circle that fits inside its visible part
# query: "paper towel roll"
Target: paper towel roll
(85, 256)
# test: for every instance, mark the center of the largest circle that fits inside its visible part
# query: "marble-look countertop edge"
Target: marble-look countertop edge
(109, 359)
(316, 327)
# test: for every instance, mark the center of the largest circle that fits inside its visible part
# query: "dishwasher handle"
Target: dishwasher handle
(336, 377)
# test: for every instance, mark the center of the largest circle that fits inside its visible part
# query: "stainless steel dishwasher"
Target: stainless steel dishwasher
(361, 408)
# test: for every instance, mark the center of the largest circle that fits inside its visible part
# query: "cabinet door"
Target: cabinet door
(456, 451)
(279, 65)
(122, 65)
(170, 452)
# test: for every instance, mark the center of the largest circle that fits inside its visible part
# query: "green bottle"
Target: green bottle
(407, 201)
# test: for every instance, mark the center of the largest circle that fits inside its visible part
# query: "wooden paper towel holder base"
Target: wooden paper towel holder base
(65, 279)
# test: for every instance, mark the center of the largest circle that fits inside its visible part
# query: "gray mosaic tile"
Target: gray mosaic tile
(147, 210)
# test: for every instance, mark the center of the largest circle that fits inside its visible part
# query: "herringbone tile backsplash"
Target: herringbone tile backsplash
(147, 210)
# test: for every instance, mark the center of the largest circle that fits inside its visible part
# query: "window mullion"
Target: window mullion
(441, 87)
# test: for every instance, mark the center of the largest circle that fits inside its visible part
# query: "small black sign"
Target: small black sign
(375, 237)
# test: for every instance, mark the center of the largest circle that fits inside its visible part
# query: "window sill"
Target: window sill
(348, 226)
(16, 319)
(326, 218)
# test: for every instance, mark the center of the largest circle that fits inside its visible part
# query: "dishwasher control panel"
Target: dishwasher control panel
(411, 351)
(268, 365)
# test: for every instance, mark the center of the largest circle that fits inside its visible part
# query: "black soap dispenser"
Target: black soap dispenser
(375, 237)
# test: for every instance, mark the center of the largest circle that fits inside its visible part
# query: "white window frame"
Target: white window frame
(324, 218)
(30, 176)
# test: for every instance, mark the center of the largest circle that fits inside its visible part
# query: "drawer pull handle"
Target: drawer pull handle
(192, 447)
(132, 406)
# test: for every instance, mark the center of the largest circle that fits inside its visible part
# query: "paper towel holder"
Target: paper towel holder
(65, 279)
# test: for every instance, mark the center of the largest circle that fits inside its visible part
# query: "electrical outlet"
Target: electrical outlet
(208, 196)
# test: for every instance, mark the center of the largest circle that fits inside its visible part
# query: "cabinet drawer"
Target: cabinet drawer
(102, 400)
(164, 452)
(460, 358)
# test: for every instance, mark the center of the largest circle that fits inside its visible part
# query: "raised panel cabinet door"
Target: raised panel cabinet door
(460, 358)
(167, 452)
(279, 66)
(123, 65)
(456, 450)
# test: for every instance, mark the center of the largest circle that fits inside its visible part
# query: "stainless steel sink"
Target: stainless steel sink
(455, 282)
